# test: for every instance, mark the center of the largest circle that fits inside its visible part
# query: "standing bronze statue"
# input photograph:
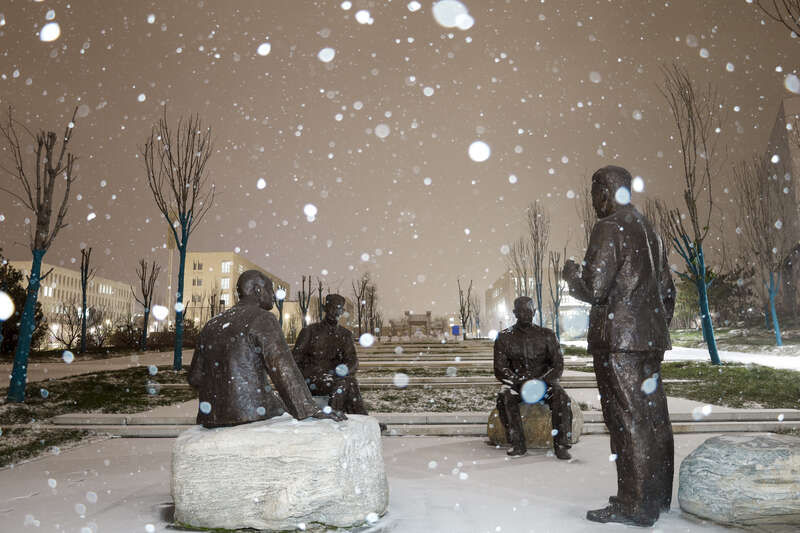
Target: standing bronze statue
(525, 352)
(626, 278)
(236, 350)
(326, 355)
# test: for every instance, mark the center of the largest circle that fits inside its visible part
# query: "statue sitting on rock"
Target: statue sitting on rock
(326, 355)
(236, 351)
(523, 353)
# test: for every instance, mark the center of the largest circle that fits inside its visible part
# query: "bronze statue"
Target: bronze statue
(326, 355)
(626, 278)
(236, 350)
(522, 353)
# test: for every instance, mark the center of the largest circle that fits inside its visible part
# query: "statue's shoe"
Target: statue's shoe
(562, 452)
(665, 506)
(612, 513)
(516, 451)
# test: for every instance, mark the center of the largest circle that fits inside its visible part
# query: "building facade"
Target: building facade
(210, 284)
(499, 307)
(61, 290)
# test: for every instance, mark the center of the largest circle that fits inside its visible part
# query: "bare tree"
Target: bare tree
(320, 306)
(370, 307)
(697, 120)
(304, 299)
(35, 192)
(147, 275)
(520, 262)
(786, 12)
(586, 212)
(539, 233)
(359, 292)
(764, 220)
(99, 325)
(464, 306)
(86, 275)
(475, 306)
(556, 287)
(68, 323)
(175, 162)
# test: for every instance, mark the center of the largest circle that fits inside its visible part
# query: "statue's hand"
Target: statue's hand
(331, 414)
(571, 271)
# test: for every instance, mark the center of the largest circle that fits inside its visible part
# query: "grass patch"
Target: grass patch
(437, 400)
(131, 390)
(753, 339)
(734, 385)
(54, 356)
(18, 444)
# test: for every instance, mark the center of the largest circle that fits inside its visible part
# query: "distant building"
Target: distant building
(62, 288)
(210, 286)
(499, 307)
(418, 324)
(784, 142)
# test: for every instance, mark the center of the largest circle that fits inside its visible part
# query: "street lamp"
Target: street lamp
(280, 296)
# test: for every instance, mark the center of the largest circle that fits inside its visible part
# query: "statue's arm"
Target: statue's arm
(196, 374)
(556, 360)
(349, 354)
(302, 347)
(600, 264)
(282, 369)
(502, 368)
(667, 286)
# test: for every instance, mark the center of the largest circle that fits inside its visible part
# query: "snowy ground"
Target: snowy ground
(437, 484)
(790, 360)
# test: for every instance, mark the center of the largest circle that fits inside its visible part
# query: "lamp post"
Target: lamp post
(280, 296)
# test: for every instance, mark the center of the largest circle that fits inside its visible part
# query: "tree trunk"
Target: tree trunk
(705, 313)
(773, 291)
(177, 359)
(83, 314)
(146, 319)
(27, 325)
(539, 302)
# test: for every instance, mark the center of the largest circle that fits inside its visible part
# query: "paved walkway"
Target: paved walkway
(454, 484)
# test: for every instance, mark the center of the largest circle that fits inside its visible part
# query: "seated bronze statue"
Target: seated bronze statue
(522, 353)
(236, 351)
(326, 355)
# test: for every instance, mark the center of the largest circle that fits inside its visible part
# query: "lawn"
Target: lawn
(740, 339)
(115, 391)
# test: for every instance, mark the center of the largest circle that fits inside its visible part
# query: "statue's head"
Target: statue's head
(253, 285)
(611, 188)
(523, 310)
(334, 307)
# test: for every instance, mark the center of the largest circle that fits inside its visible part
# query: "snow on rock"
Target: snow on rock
(278, 473)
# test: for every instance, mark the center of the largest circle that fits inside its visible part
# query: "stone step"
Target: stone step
(766, 416)
(447, 430)
(367, 384)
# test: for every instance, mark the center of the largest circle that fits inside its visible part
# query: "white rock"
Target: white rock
(743, 480)
(278, 473)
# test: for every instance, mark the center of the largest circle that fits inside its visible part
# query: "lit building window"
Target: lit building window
(225, 283)
(226, 267)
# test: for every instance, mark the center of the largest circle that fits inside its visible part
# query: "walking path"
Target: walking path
(456, 484)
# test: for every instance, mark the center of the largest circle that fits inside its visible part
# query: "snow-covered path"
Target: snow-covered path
(679, 353)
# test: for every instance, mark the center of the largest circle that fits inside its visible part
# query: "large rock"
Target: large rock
(537, 423)
(279, 473)
(743, 480)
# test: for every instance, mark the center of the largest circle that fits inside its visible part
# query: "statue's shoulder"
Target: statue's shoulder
(344, 332)
(505, 333)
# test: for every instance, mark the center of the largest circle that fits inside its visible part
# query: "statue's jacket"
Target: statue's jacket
(234, 354)
(521, 354)
(626, 278)
(321, 347)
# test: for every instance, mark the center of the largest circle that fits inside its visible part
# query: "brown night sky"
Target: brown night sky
(520, 79)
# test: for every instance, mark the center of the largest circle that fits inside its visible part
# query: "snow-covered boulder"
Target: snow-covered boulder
(743, 480)
(537, 423)
(280, 473)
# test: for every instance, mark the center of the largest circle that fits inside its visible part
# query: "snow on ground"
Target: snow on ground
(679, 353)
